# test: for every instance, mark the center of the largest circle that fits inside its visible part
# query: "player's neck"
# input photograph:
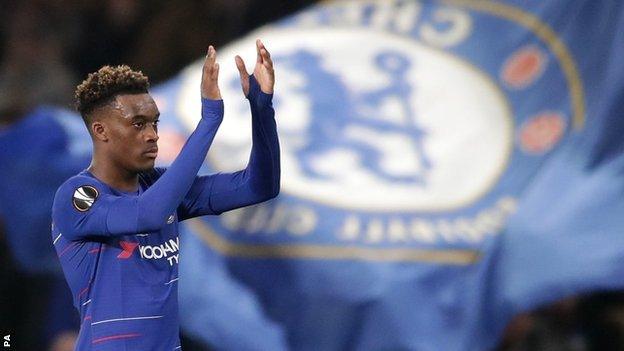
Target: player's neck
(114, 176)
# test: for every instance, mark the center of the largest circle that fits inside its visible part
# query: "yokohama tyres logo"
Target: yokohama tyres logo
(167, 250)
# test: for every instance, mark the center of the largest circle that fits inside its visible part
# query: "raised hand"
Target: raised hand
(263, 72)
(210, 76)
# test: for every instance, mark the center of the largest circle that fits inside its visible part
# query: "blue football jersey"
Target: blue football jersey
(125, 287)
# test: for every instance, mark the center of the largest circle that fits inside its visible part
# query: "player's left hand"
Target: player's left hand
(263, 72)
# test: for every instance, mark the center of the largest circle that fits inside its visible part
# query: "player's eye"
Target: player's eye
(139, 125)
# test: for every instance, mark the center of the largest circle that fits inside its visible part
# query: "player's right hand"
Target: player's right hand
(210, 76)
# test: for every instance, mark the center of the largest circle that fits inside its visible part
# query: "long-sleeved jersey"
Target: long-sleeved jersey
(119, 251)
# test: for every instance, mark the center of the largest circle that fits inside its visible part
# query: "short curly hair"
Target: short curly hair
(102, 86)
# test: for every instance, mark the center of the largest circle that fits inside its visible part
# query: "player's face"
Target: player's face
(133, 131)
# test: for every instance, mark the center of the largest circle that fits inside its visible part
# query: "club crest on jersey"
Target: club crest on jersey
(396, 124)
(84, 197)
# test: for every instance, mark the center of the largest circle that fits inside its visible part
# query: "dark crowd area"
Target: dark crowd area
(52, 45)
(49, 46)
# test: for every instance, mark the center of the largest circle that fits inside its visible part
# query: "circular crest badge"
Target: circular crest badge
(400, 122)
(84, 197)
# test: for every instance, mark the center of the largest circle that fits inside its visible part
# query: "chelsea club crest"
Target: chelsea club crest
(404, 125)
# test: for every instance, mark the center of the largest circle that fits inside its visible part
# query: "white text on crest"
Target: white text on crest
(446, 27)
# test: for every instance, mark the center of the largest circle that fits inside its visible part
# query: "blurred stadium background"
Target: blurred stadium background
(452, 170)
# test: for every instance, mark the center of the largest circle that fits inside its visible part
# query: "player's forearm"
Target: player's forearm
(264, 162)
(161, 199)
(260, 180)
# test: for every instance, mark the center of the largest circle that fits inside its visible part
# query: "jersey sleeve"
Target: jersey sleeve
(259, 181)
(84, 207)
(89, 209)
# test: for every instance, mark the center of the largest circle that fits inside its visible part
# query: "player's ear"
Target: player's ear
(99, 131)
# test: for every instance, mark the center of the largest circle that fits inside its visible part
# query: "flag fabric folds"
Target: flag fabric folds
(446, 165)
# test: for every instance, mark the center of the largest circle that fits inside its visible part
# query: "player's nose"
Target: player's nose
(152, 134)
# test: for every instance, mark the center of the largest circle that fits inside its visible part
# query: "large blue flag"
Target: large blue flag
(446, 165)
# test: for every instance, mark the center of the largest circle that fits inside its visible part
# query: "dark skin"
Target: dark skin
(125, 130)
